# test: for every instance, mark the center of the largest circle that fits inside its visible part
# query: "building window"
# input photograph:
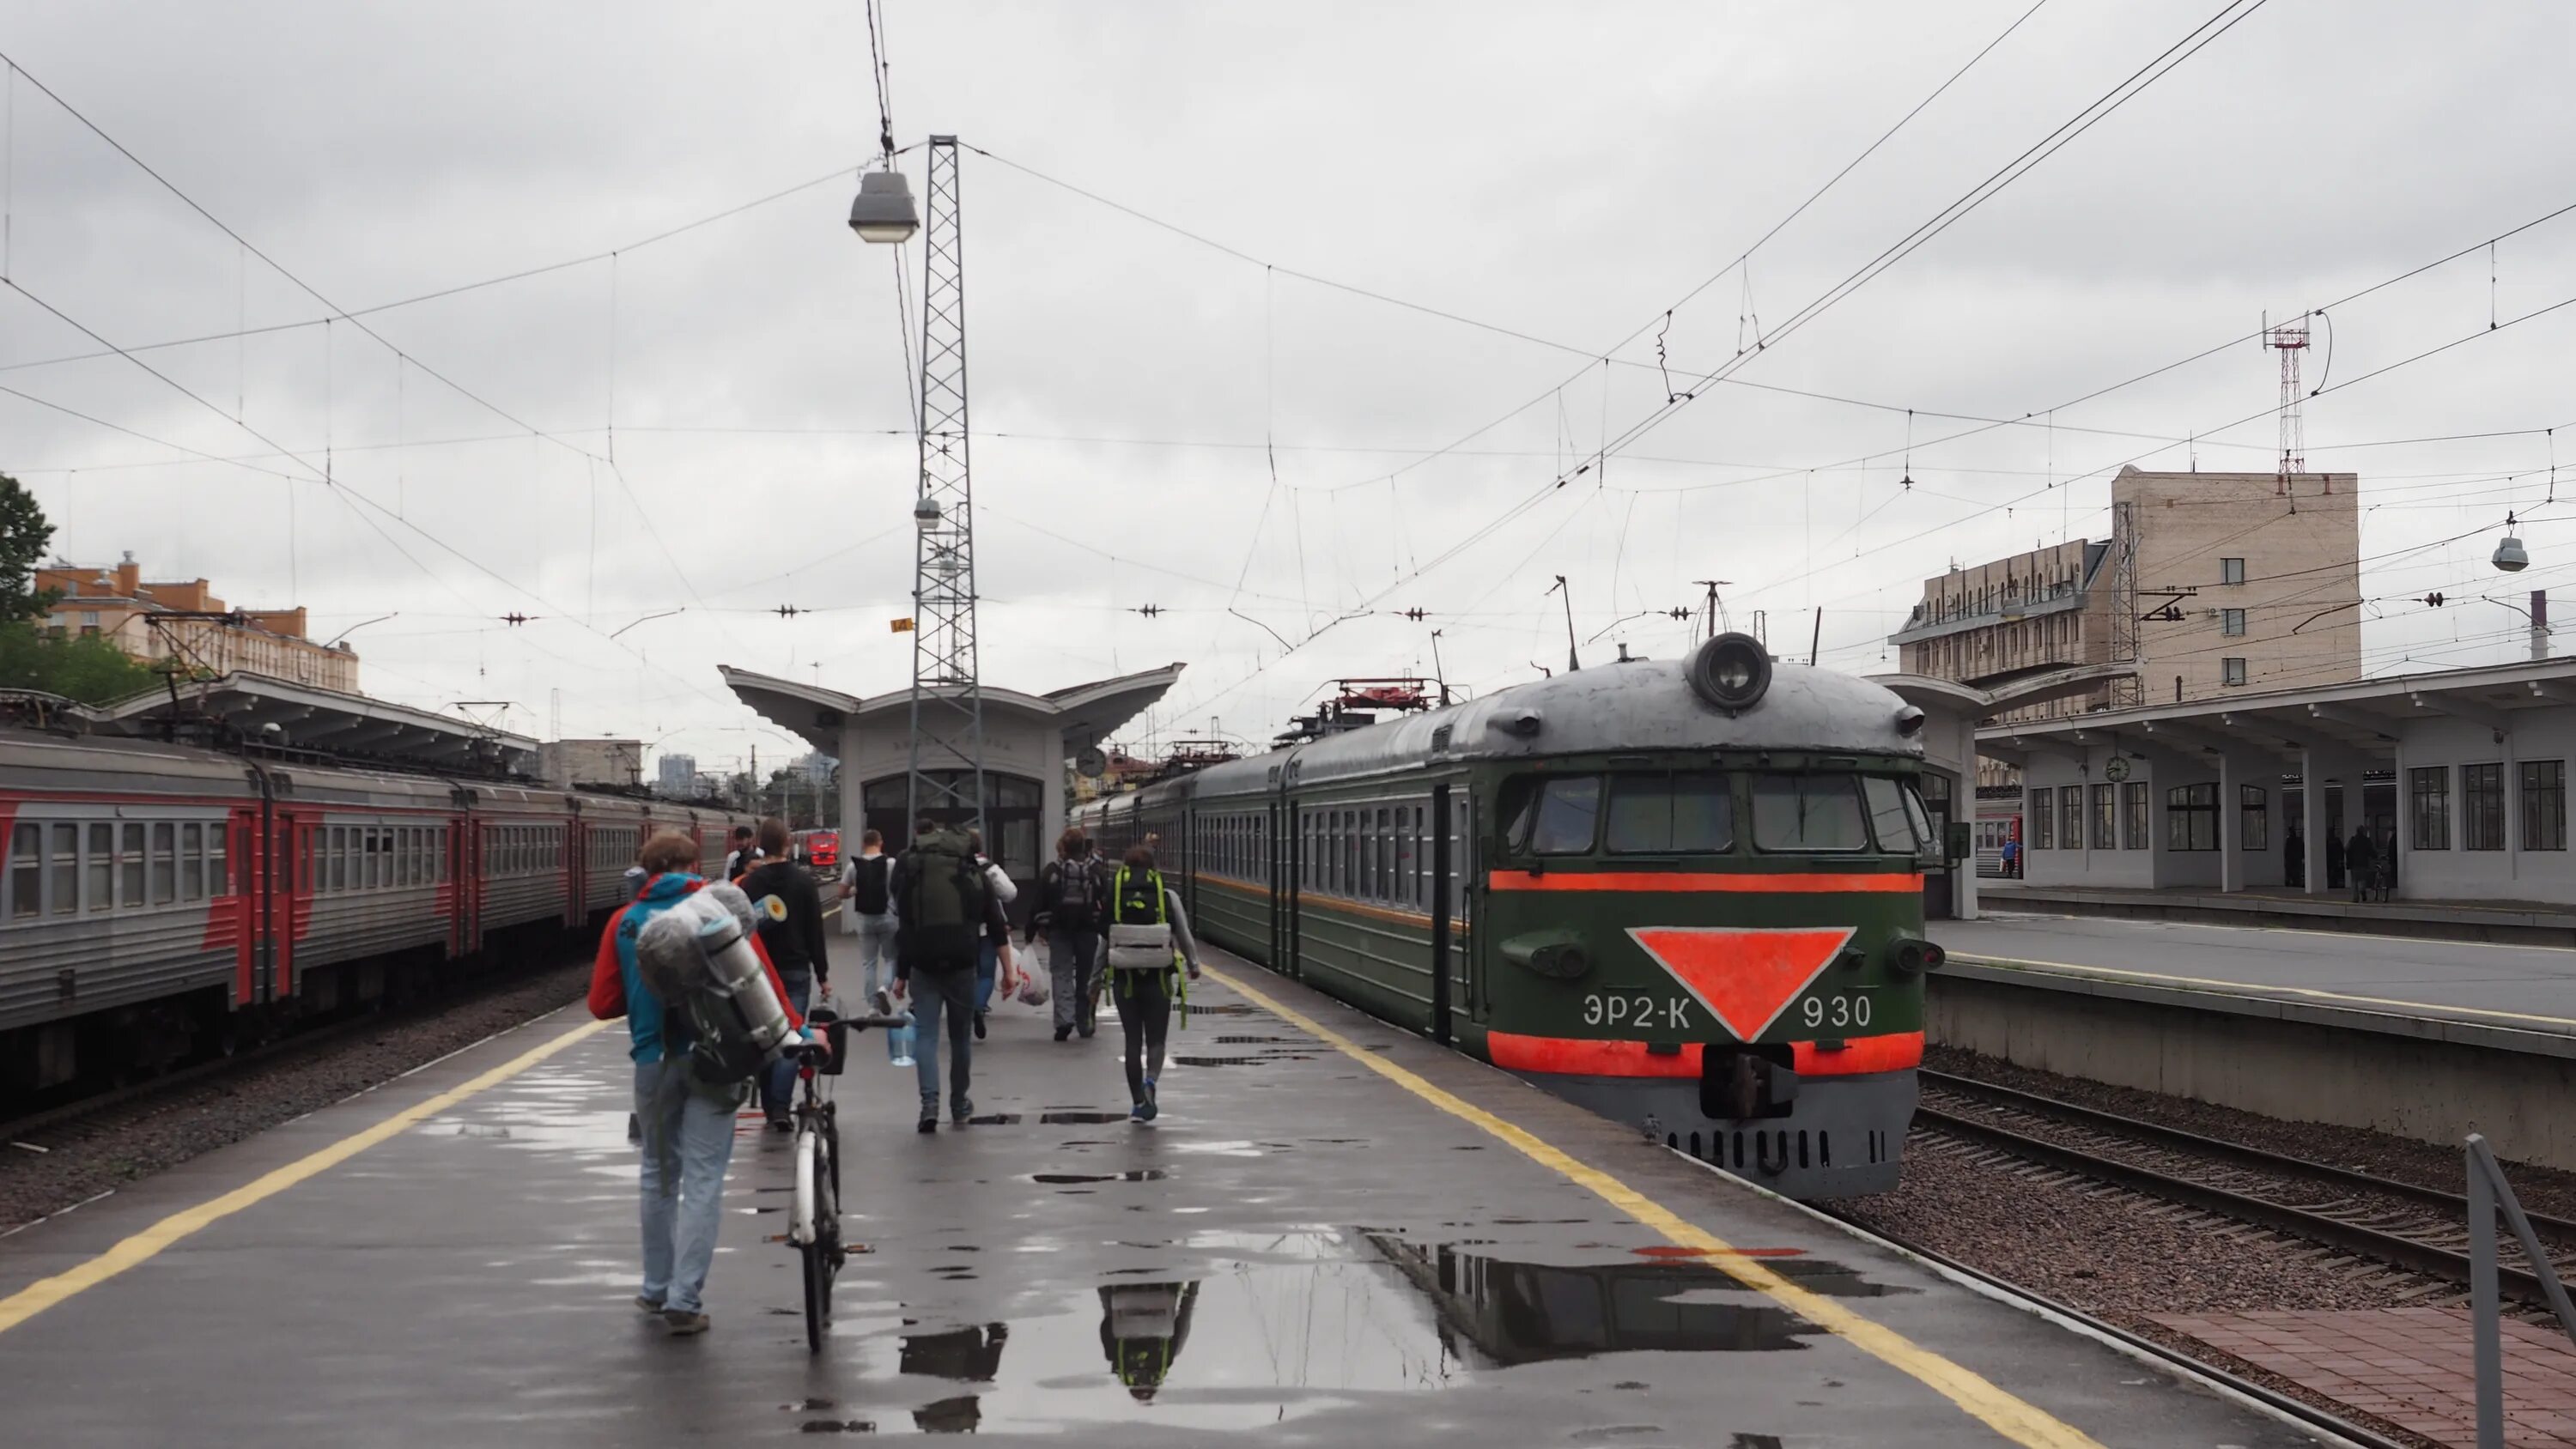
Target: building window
(2429, 813)
(2482, 807)
(2041, 837)
(2231, 671)
(2106, 825)
(2544, 804)
(2070, 816)
(2231, 622)
(2254, 822)
(2231, 571)
(2191, 817)
(2139, 831)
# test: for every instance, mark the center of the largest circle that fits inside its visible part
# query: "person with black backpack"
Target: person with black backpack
(1149, 940)
(793, 936)
(1073, 903)
(944, 908)
(867, 910)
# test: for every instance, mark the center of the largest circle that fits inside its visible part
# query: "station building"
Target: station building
(1027, 740)
(2463, 772)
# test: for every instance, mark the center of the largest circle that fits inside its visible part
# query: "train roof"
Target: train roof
(1638, 704)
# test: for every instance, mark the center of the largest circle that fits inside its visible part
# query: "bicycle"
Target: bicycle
(814, 1223)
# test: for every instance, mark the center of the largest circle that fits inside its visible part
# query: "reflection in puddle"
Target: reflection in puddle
(1079, 1119)
(1141, 1174)
(1301, 1321)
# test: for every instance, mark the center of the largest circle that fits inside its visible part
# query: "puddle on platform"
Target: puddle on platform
(1292, 1323)
(1079, 1119)
(1262, 1060)
(1142, 1174)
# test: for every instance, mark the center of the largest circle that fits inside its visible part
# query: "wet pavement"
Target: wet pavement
(1299, 1247)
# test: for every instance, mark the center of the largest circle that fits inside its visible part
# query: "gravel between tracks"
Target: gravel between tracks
(2108, 1254)
(136, 1139)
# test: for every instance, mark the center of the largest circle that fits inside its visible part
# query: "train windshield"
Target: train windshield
(1681, 814)
(1809, 814)
(1556, 817)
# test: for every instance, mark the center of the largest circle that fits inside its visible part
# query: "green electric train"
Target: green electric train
(1686, 895)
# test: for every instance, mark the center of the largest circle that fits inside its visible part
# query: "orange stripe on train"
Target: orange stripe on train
(1739, 881)
(1577, 1057)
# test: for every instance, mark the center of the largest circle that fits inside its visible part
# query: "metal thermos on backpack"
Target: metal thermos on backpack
(698, 960)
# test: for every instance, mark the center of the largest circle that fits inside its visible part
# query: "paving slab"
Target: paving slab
(2409, 1366)
(1304, 1246)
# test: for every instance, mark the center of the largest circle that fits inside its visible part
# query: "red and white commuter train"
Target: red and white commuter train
(160, 891)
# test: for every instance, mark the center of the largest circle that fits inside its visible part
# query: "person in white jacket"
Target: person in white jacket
(988, 959)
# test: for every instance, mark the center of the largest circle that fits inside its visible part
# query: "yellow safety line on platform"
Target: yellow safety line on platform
(2020, 1422)
(2317, 993)
(38, 1296)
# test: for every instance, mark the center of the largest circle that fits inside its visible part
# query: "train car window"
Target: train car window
(334, 875)
(1558, 816)
(165, 874)
(1687, 814)
(1382, 879)
(192, 862)
(1897, 830)
(98, 877)
(26, 871)
(129, 863)
(1808, 813)
(66, 869)
(218, 868)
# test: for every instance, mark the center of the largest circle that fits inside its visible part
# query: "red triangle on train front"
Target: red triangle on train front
(1745, 977)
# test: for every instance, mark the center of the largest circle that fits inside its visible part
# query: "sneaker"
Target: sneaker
(682, 1324)
(927, 1124)
(778, 1123)
(1140, 1113)
(1086, 1033)
(1062, 1032)
(979, 1026)
(649, 1305)
(634, 1128)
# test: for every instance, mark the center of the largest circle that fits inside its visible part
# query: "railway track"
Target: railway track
(2404, 1225)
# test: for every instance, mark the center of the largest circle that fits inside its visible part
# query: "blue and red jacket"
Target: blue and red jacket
(616, 988)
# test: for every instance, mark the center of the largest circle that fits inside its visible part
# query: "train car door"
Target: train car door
(1466, 922)
(290, 897)
(1441, 951)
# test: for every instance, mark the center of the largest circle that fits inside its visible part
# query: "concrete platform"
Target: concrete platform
(1380, 1242)
(2531, 923)
(2525, 988)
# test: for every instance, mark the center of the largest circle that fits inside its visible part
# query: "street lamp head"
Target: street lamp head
(925, 513)
(883, 211)
(2509, 555)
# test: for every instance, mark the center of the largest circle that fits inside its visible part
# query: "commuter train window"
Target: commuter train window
(1559, 817)
(26, 870)
(1656, 814)
(98, 874)
(66, 862)
(130, 864)
(218, 882)
(165, 875)
(192, 862)
(1814, 813)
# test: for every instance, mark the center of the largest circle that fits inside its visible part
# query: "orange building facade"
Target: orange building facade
(117, 603)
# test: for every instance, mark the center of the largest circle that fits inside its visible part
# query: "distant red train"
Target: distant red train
(820, 849)
(158, 898)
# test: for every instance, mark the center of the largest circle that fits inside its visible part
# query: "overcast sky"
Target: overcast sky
(1565, 173)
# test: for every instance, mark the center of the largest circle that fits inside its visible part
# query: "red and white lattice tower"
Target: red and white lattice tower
(2290, 339)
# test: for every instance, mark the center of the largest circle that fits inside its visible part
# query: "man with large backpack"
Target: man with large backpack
(1073, 906)
(1149, 939)
(943, 909)
(867, 910)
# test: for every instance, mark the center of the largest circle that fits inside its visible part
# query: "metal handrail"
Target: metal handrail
(2488, 1192)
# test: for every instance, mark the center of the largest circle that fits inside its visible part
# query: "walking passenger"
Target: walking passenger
(1073, 902)
(738, 859)
(794, 938)
(2361, 863)
(1149, 936)
(687, 1124)
(988, 955)
(867, 910)
(945, 909)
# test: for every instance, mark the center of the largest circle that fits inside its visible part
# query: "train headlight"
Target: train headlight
(1731, 671)
(1914, 956)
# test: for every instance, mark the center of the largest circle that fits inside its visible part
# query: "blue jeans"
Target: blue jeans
(944, 991)
(988, 965)
(876, 953)
(688, 1141)
(778, 1084)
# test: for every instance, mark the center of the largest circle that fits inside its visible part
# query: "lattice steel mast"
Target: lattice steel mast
(947, 694)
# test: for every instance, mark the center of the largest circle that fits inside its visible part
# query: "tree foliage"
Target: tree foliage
(24, 533)
(89, 669)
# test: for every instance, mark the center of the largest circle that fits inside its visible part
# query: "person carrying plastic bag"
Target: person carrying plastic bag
(1149, 942)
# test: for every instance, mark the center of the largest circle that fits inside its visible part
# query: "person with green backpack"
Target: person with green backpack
(1149, 941)
(944, 909)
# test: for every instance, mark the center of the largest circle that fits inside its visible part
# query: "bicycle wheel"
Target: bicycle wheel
(818, 1294)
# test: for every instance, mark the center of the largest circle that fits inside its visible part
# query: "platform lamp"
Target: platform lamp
(883, 211)
(2509, 555)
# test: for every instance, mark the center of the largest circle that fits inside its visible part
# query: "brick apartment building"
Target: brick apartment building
(115, 604)
(2231, 581)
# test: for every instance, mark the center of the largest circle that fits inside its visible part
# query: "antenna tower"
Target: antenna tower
(2290, 339)
(945, 772)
